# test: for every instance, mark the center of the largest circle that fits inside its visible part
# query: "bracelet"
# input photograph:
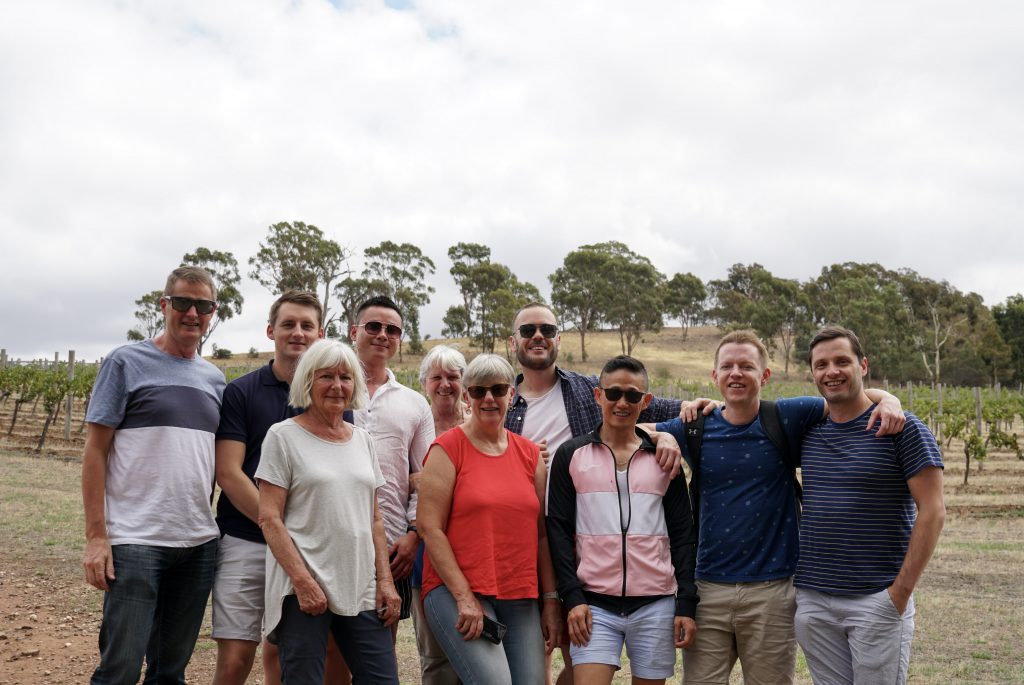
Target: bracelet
(412, 529)
(549, 595)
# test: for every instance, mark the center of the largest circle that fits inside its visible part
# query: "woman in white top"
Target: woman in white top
(318, 477)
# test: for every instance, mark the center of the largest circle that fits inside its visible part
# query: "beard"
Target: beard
(535, 364)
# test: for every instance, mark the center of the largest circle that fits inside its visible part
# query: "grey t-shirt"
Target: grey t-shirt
(329, 515)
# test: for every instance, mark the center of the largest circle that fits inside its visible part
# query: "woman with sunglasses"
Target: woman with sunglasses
(481, 516)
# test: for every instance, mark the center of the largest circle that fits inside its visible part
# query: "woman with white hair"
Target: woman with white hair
(481, 517)
(441, 380)
(318, 477)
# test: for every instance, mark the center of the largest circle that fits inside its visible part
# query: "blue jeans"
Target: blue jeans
(154, 609)
(363, 639)
(518, 660)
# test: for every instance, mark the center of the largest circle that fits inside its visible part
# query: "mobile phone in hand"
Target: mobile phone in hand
(493, 630)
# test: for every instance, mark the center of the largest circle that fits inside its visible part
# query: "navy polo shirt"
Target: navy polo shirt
(251, 405)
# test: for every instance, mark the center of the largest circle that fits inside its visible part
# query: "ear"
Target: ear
(270, 332)
(320, 334)
(765, 376)
(352, 332)
(864, 367)
(597, 394)
(646, 401)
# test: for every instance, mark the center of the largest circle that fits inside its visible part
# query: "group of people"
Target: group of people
(509, 515)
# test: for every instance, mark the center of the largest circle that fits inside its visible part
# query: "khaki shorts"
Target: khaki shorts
(238, 589)
(749, 621)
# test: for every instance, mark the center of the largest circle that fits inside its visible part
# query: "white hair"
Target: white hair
(327, 354)
(443, 356)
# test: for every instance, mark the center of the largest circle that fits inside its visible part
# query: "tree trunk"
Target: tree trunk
(46, 428)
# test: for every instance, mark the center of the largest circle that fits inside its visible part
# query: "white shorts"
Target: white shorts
(647, 633)
(238, 589)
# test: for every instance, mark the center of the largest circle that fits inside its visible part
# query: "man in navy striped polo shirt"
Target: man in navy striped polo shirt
(873, 511)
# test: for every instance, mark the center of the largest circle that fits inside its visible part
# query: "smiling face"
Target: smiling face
(296, 327)
(837, 371)
(375, 350)
(535, 352)
(740, 373)
(183, 331)
(621, 413)
(489, 409)
(332, 389)
(443, 388)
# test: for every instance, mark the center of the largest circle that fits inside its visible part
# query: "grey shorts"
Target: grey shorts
(238, 589)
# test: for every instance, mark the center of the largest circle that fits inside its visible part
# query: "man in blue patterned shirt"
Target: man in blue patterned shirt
(873, 511)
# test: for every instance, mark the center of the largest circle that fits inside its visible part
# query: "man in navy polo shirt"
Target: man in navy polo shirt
(873, 512)
(252, 404)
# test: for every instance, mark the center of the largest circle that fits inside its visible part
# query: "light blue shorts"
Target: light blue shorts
(647, 634)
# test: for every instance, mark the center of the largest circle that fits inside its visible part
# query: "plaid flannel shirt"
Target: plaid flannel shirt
(580, 408)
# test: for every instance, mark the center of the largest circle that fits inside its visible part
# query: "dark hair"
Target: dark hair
(832, 333)
(300, 297)
(624, 361)
(534, 305)
(379, 301)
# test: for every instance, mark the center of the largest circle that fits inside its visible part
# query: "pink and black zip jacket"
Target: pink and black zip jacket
(615, 559)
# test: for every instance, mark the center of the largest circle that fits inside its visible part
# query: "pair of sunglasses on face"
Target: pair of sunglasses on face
(528, 330)
(478, 392)
(375, 327)
(183, 304)
(615, 394)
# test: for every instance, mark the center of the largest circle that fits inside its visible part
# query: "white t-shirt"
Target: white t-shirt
(329, 515)
(545, 418)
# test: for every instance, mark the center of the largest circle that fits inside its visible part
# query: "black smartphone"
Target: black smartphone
(493, 631)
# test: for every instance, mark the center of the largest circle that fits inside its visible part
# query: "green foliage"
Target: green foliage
(685, 300)
(224, 268)
(400, 272)
(149, 315)
(298, 256)
(253, 353)
(1009, 316)
(221, 353)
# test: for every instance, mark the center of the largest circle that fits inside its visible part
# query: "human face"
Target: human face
(443, 387)
(536, 352)
(621, 413)
(489, 409)
(837, 372)
(332, 389)
(740, 373)
(183, 331)
(296, 328)
(375, 350)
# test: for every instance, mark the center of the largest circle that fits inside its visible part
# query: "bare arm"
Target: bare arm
(98, 560)
(243, 493)
(273, 498)
(389, 603)
(888, 412)
(926, 489)
(436, 487)
(551, 611)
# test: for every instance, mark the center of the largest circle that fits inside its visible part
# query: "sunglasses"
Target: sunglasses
(548, 330)
(183, 304)
(478, 392)
(615, 394)
(375, 327)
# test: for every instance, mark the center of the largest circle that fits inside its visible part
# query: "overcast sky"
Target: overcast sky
(794, 133)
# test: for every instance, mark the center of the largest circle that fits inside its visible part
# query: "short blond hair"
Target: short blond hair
(445, 357)
(327, 354)
(744, 337)
(486, 367)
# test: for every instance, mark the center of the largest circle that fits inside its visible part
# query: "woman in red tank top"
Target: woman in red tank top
(480, 513)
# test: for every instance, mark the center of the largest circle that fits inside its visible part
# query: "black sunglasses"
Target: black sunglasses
(478, 392)
(375, 327)
(183, 304)
(615, 394)
(548, 330)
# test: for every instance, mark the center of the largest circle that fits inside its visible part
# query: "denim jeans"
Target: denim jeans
(153, 609)
(363, 639)
(518, 660)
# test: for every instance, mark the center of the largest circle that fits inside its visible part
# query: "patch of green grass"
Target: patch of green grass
(987, 546)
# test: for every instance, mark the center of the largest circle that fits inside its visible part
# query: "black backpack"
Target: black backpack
(768, 412)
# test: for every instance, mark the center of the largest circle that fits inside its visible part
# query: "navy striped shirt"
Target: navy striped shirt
(858, 512)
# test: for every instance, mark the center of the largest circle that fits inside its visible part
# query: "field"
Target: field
(970, 602)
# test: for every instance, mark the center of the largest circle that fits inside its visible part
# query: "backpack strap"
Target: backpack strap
(694, 432)
(768, 412)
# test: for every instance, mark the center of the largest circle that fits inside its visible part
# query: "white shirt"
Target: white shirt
(402, 427)
(546, 419)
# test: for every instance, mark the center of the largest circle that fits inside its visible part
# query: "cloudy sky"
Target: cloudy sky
(793, 133)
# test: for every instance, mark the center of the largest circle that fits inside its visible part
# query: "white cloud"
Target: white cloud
(794, 134)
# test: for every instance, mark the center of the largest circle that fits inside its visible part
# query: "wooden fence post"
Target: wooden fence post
(3, 359)
(977, 409)
(910, 395)
(71, 395)
(938, 420)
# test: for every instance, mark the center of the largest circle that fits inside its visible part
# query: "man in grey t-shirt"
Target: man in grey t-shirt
(147, 479)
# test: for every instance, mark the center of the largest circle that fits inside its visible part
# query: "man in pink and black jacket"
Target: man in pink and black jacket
(622, 539)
